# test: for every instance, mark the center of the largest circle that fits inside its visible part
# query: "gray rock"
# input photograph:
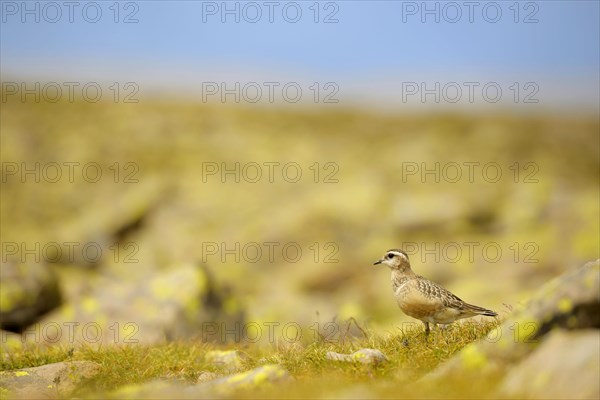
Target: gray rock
(565, 366)
(109, 219)
(570, 301)
(444, 211)
(365, 356)
(48, 381)
(180, 303)
(27, 291)
(207, 376)
(229, 361)
(154, 389)
(255, 379)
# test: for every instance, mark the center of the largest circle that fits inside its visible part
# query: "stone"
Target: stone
(27, 292)
(229, 361)
(565, 366)
(570, 301)
(154, 389)
(364, 356)
(56, 380)
(255, 379)
(108, 220)
(207, 376)
(170, 305)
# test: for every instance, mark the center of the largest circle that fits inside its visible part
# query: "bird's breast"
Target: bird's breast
(414, 303)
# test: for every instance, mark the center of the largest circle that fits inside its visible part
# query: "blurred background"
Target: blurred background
(185, 169)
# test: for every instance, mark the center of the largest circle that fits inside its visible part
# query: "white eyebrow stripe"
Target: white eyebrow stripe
(397, 253)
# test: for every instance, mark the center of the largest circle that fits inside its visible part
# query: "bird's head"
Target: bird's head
(396, 259)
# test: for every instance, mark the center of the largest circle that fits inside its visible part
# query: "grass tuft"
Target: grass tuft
(410, 356)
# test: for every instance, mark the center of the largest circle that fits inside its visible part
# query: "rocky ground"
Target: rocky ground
(547, 349)
(156, 257)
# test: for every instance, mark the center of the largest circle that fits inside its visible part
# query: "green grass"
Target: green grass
(409, 354)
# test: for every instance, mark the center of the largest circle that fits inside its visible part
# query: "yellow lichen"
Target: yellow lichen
(68, 311)
(11, 296)
(524, 328)
(202, 283)
(161, 290)
(565, 305)
(473, 358)
(191, 308)
(11, 341)
(542, 379)
(231, 306)
(238, 377)
(90, 305)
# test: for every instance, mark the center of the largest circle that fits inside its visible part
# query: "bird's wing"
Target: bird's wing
(433, 290)
(449, 299)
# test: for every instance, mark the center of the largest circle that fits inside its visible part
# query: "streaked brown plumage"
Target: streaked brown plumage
(422, 299)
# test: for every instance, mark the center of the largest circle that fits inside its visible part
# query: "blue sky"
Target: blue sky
(373, 46)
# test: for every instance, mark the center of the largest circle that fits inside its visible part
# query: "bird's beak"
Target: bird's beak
(378, 262)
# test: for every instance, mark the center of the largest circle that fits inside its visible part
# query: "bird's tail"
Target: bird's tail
(481, 310)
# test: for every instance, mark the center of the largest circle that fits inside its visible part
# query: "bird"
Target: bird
(423, 299)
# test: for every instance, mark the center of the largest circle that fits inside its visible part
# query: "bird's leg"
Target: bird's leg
(426, 329)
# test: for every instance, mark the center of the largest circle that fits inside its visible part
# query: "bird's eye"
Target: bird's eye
(390, 256)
